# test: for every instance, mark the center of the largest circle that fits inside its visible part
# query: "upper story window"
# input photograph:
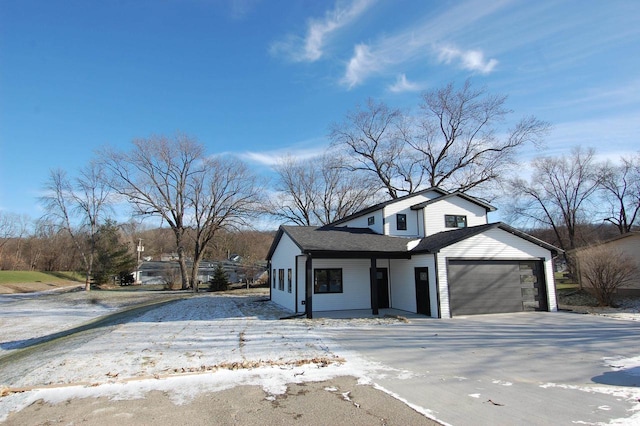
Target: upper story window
(371, 220)
(455, 221)
(401, 222)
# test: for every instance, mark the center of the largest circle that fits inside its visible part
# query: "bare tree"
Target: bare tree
(154, 178)
(374, 138)
(296, 190)
(14, 227)
(457, 142)
(223, 197)
(606, 270)
(557, 194)
(620, 188)
(318, 191)
(171, 179)
(77, 207)
(460, 141)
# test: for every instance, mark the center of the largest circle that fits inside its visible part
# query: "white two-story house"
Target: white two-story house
(431, 252)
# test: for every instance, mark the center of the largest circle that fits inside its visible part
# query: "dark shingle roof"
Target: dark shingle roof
(435, 242)
(474, 200)
(334, 241)
(356, 242)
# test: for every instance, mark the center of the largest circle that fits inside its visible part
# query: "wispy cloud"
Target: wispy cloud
(421, 42)
(239, 9)
(614, 133)
(310, 48)
(472, 60)
(299, 151)
(361, 65)
(403, 85)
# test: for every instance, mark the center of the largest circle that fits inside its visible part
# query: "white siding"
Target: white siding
(403, 285)
(493, 244)
(434, 214)
(404, 207)
(301, 281)
(284, 258)
(363, 222)
(356, 291)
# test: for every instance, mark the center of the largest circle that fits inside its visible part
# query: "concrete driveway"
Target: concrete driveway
(526, 368)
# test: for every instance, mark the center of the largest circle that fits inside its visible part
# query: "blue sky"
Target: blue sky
(260, 79)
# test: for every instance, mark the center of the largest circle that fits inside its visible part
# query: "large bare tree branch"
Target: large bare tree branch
(457, 142)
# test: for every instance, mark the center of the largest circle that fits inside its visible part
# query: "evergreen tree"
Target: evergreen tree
(220, 281)
(113, 257)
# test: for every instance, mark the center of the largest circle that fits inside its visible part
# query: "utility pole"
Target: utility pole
(139, 249)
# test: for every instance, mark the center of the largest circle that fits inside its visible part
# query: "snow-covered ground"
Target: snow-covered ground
(167, 348)
(239, 338)
(28, 317)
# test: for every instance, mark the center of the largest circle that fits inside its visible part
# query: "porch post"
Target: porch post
(270, 278)
(308, 287)
(374, 286)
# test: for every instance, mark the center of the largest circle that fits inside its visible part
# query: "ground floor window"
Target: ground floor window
(274, 278)
(289, 280)
(327, 281)
(281, 279)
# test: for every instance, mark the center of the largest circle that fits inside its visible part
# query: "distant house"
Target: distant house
(431, 252)
(151, 272)
(169, 257)
(628, 244)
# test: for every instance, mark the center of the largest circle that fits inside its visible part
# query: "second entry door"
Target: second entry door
(383, 287)
(423, 302)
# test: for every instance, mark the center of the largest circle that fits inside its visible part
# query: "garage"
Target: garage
(496, 286)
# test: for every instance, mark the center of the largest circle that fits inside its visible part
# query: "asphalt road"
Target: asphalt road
(527, 368)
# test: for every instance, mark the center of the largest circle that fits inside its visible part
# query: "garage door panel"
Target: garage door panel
(483, 287)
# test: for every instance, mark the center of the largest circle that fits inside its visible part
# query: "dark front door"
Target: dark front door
(383, 287)
(423, 302)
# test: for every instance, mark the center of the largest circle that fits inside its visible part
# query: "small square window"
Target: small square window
(453, 221)
(371, 220)
(401, 222)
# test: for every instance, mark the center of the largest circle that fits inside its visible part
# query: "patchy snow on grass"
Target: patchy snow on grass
(202, 343)
(28, 318)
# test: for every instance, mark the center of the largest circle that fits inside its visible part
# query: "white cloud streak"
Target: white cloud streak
(311, 47)
(273, 157)
(403, 85)
(472, 60)
(422, 41)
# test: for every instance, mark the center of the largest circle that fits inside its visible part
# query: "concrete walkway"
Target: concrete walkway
(527, 368)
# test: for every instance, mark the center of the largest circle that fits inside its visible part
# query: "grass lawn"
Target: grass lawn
(19, 277)
(29, 281)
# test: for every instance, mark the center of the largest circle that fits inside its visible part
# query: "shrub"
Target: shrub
(604, 271)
